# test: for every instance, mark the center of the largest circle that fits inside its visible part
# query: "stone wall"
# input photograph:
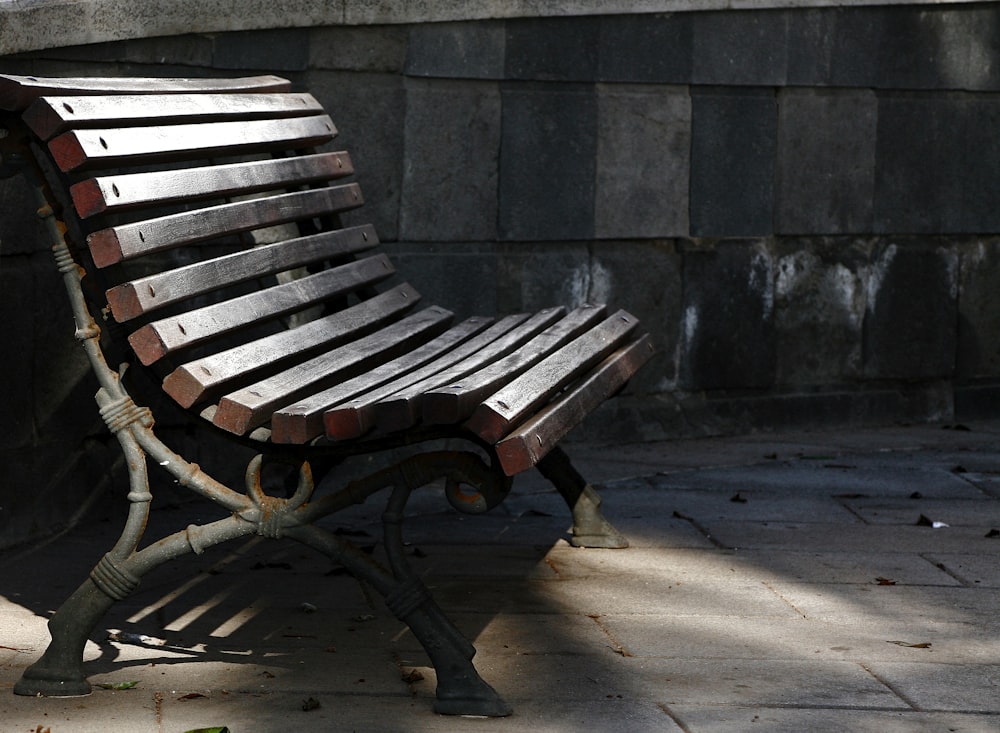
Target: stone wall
(801, 204)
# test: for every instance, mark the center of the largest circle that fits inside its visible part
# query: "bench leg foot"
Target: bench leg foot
(590, 527)
(59, 671)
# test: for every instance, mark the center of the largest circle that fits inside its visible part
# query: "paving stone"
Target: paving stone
(643, 158)
(979, 513)
(452, 139)
(547, 154)
(457, 50)
(959, 687)
(974, 570)
(105, 710)
(826, 161)
(720, 719)
(733, 151)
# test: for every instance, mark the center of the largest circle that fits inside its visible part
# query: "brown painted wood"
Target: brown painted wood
(48, 116)
(18, 92)
(528, 392)
(303, 421)
(112, 245)
(228, 370)
(250, 407)
(83, 149)
(531, 441)
(159, 338)
(402, 409)
(453, 403)
(106, 194)
(356, 417)
(147, 294)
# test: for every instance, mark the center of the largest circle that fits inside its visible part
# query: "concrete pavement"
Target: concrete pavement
(834, 581)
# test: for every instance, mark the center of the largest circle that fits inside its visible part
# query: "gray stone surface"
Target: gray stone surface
(646, 49)
(826, 161)
(381, 49)
(733, 143)
(978, 310)
(552, 50)
(740, 48)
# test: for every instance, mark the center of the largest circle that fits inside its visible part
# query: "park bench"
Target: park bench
(196, 224)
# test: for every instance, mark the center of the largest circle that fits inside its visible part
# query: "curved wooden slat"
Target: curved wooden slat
(159, 338)
(453, 403)
(530, 442)
(78, 149)
(112, 245)
(17, 92)
(241, 411)
(231, 369)
(356, 417)
(105, 194)
(303, 421)
(401, 410)
(534, 387)
(48, 116)
(150, 293)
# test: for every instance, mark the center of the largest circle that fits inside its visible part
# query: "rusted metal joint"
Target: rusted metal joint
(112, 579)
(121, 413)
(272, 514)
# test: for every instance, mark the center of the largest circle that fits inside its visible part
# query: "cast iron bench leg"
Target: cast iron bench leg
(590, 528)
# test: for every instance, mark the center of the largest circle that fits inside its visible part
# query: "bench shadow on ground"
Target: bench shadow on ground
(683, 626)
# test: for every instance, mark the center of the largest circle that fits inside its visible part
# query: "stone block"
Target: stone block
(728, 336)
(358, 49)
(552, 49)
(733, 148)
(547, 161)
(275, 49)
(369, 111)
(912, 311)
(532, 277)
(740, 48)
(826, 161)
(980, 175)
(646, 48)
(921, 163)
(452, 146)
(819, 311)
(20, 230)
(17, 288)
(185, 50)
(978, 354)
(460, 277)
(457, 50)
(643, 160)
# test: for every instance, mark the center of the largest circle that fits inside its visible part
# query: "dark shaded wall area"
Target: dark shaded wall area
(801, 205)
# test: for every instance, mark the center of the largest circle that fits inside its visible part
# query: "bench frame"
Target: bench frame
(60, 670)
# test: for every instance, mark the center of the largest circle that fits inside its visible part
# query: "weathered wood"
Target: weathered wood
(356, 417)
(48, 116)
(147, 294)
(303, 421)
(252, 406)
(112, 245)
(533, 388)
(453, 403)
(105, 194)
(159, 338)
(209, 376)
(402, 409)
(18, 92)
(531, 441)
(83, 149)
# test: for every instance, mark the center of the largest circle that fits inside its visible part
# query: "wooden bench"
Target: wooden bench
(196, 224)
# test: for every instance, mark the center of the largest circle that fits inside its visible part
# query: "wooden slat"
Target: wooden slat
(147, 294)
(48, 116)
(209, 376)
(530, 442)
(112, 245)
(303, 421)
(105, 194)
(17, 92)
(356, 417)
(159, 338)
(453, 403)
(242, 411)
(534, 387)
(78, 149)
(402, 409)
